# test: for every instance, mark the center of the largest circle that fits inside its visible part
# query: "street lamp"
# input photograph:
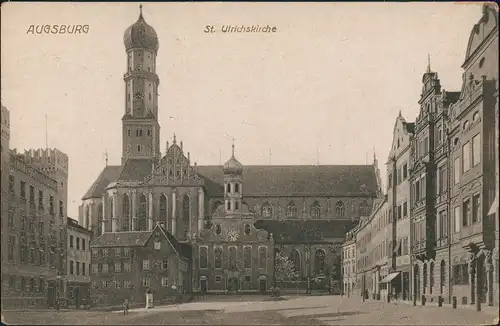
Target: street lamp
(308, 257)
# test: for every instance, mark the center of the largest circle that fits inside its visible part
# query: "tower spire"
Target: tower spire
(140, 11)
(46, 133)
(106, 156)
(428, 63)
(233, 146)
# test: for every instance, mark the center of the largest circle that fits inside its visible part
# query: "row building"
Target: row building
(33, 224)
(442, 193)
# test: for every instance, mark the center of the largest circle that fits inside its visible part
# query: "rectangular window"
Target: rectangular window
(476, 208)
(51, 204)
(71, 267)
(399, 177)
(61, 208)
(157, 245)
(94, 253)
(105, 252)
(77, 268)
(83, 269)
(417, 191)
(104, 284)
(405, 171)
(389, 182)
(11, 183)
(164, 281)
(77, 243)
(405, 209)
(439, 135)
(145, 265)
(442, 179)
(476, 149)
(466, 212)
(23, 190)
(126, 266)
(118, 267)
(146, 282)
(126, 252)
(32, 194)
(426, 145)
(400, 212)
(456, 170)
(40, 199)
(105, 268)
(218, 279)
(456, 218)
(126, 284)
(71, 241)
(466, 157)
(83, 244)
(118, 252)
(164, 264)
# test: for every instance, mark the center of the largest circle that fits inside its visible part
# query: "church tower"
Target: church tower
(141, 131)
(233, 181)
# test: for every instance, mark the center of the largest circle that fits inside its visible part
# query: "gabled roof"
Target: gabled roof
(122, 239)
(289, 180)
(136, 169)
(305, 230)
(138, 239)
(108, 174)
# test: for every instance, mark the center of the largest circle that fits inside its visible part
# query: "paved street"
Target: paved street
(317, 310)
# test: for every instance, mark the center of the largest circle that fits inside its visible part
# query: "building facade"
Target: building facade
(473, 155)
(33, 224)
(77, 264)
(307, 209)
(398, 201)
(349, 263)
(126, 265)
(429, 182)
(373, 248)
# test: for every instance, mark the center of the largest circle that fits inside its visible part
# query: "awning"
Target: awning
(389, 277)
(494, 206)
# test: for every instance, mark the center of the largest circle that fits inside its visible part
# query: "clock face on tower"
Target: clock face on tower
(139, 96)
(232, 235)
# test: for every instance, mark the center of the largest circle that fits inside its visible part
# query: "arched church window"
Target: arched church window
(295, 259)
(232, 258)
(315, 210)
(363, 208)
(218, 257)
(142, 213)
(185, 208)
(319, 261)
(126, 212)
(340, 208)
(266, 210)
(291, 210)
(163, 210)
(262, 257)
(247, 257)
(203, 257)
(99, 219)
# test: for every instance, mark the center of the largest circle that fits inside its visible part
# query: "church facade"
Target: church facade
(235, 217)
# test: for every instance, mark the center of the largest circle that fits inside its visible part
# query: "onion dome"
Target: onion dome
(233, 166)
(140, 35)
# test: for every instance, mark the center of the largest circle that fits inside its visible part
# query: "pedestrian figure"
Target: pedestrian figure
(277, 291)
(271, 291)
(125, 307)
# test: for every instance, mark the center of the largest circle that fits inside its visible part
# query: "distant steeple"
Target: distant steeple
(428, 63)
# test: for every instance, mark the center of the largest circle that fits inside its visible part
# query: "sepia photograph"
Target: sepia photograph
(250, 163)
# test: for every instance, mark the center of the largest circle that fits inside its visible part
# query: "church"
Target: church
(234, 217)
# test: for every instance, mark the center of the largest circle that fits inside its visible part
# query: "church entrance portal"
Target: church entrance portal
(263, 285)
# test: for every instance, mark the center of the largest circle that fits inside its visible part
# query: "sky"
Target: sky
(327, 86)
